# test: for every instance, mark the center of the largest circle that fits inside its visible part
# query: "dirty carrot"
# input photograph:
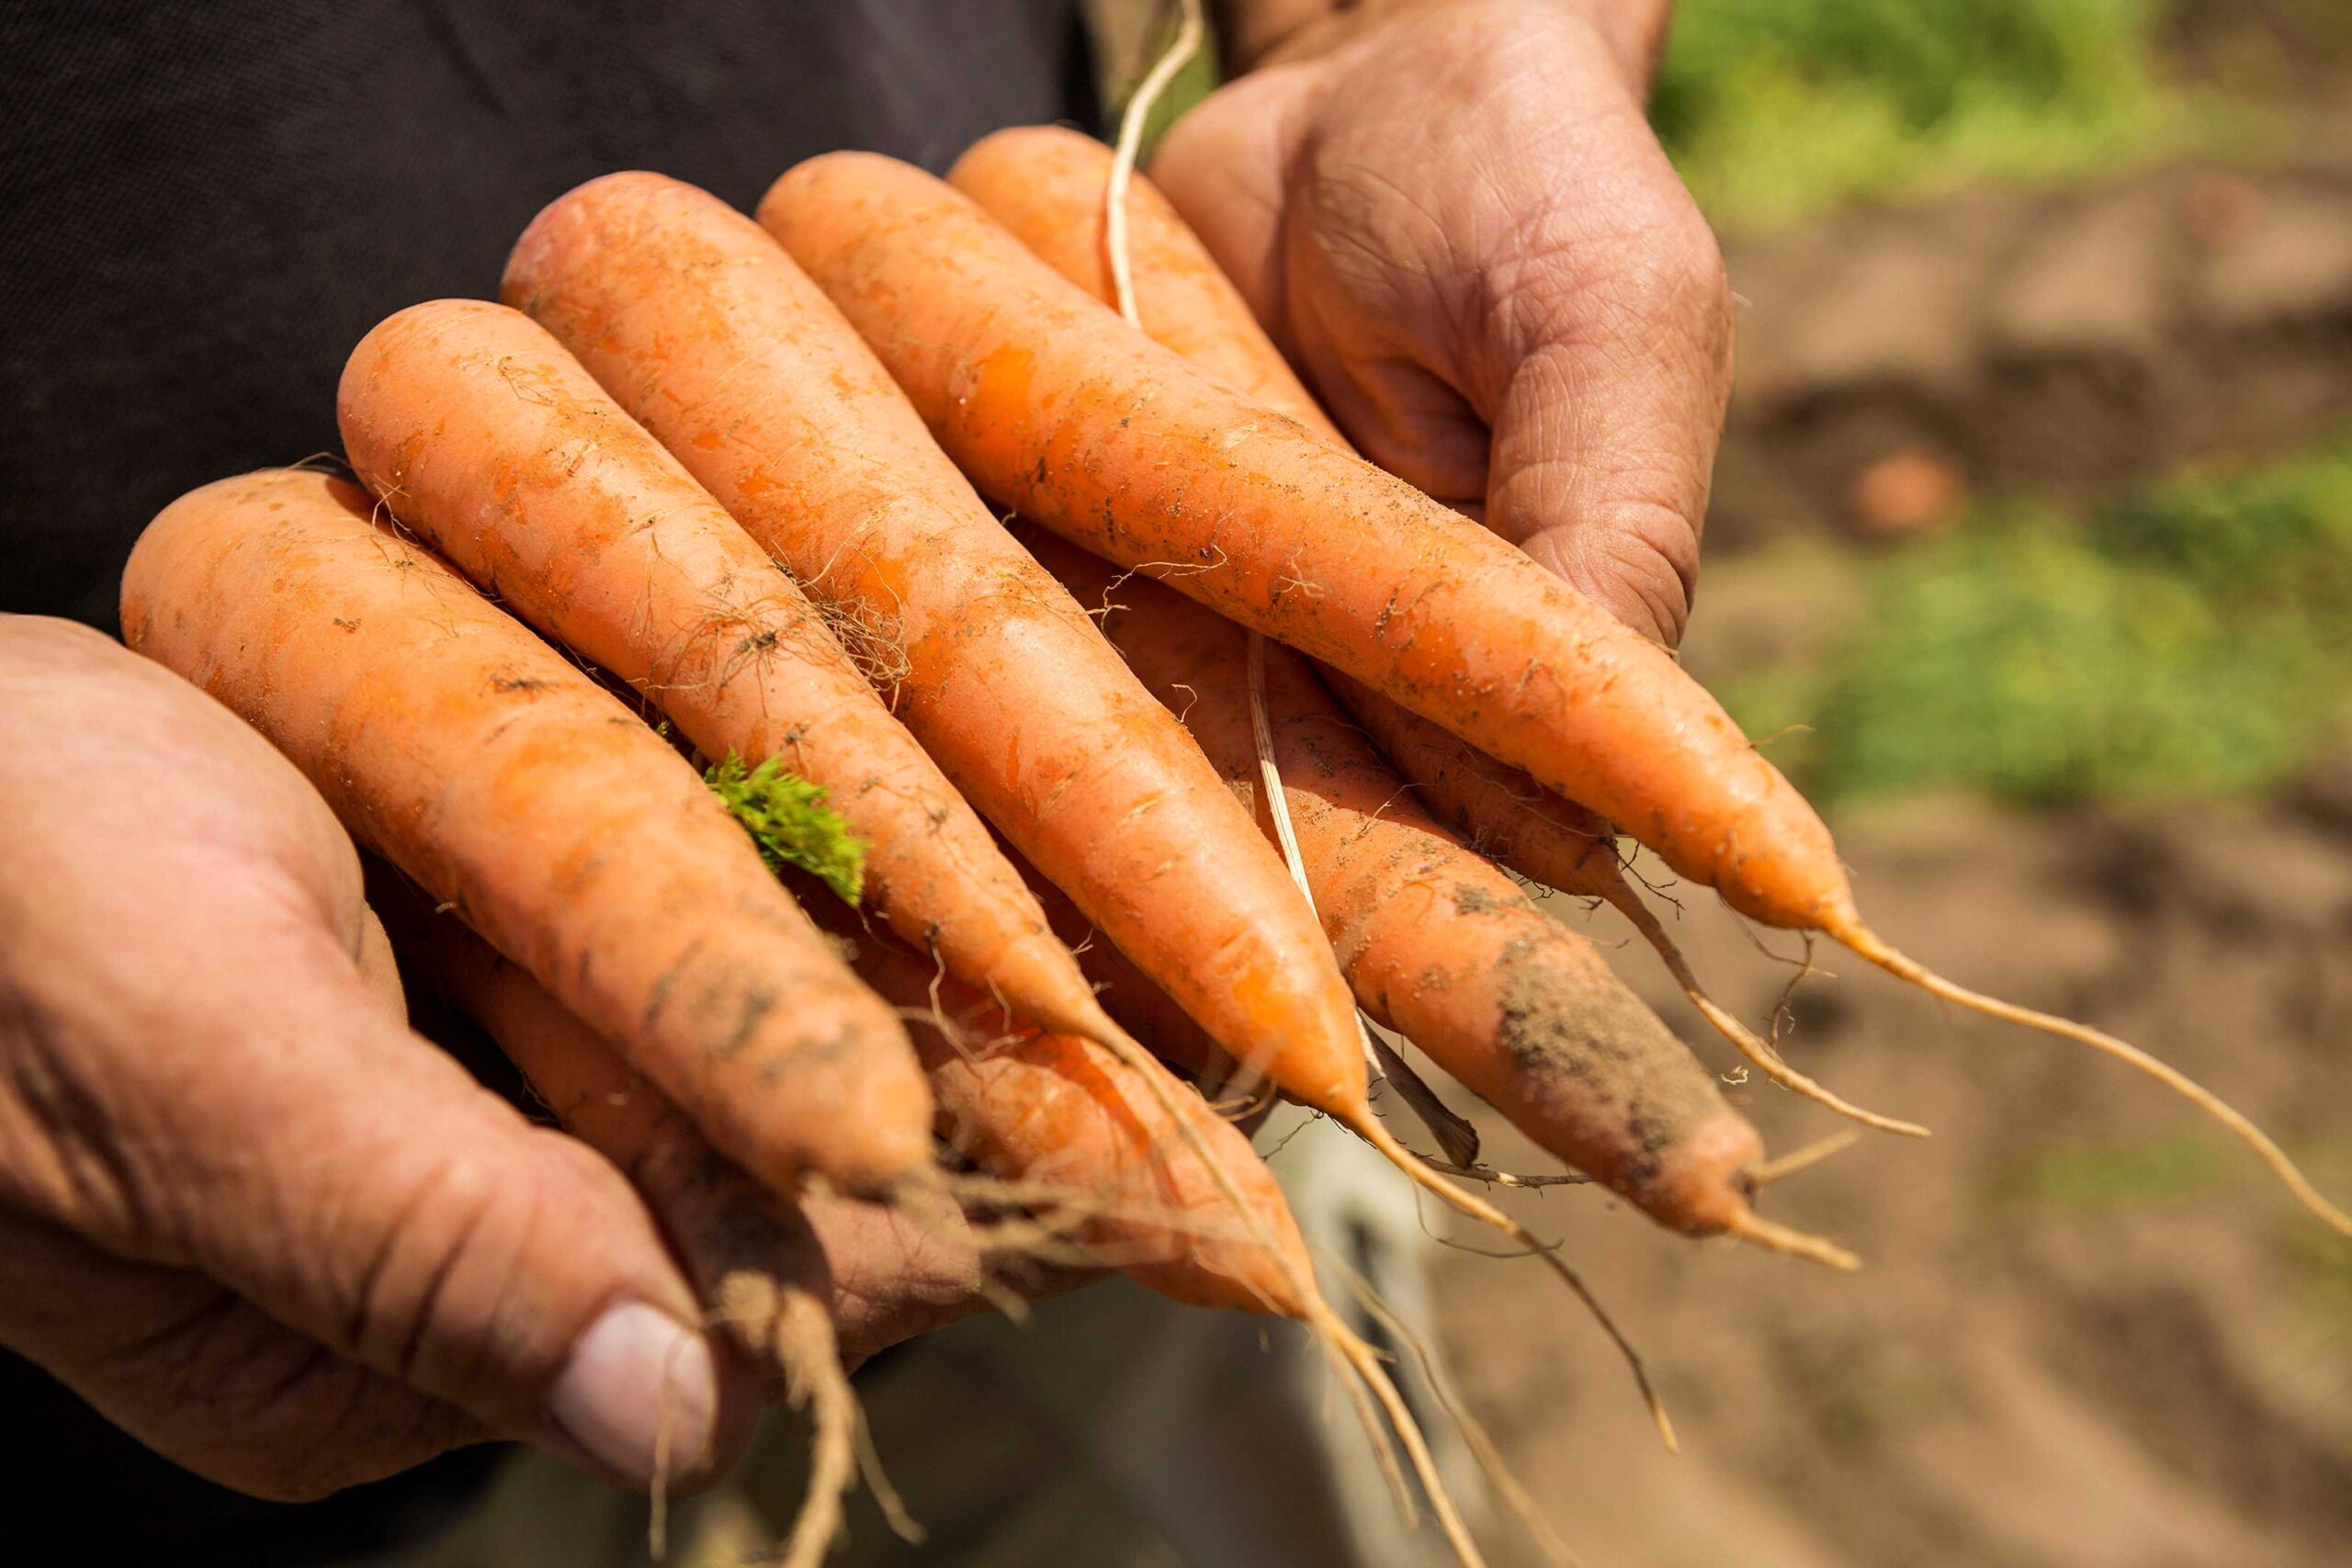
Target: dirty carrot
(1057, 407)
(1044, 184)
(1438, 943)
(709, 334)
(481, 762)
(480, 433)
(1191, 1213)
(750, 1253)
(1060, 408)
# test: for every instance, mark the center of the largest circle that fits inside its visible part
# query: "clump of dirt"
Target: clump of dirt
(2089, 1330)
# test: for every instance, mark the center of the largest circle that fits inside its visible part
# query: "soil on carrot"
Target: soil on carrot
(2088, 1330)
(1598, 1046)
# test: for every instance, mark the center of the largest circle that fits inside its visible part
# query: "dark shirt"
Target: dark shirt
(205, 203)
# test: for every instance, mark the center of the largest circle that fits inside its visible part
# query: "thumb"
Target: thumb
(352, 1182)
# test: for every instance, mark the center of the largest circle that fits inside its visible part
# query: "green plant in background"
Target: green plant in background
(2192, 639)
(1774, 109)
(2112, 1176)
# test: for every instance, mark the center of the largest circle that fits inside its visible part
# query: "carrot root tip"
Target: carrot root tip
(1767, 1061)
(1759, 1054)
(1866, 944)
(1755, 1229)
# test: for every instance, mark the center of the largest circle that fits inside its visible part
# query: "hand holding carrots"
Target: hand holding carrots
(757, 473)
(1457, 220)
(248, 1213)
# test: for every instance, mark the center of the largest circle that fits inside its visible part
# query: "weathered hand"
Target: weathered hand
(244, 1211)
(1454, 217)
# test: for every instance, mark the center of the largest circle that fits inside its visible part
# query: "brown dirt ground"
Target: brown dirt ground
(2090, 1331)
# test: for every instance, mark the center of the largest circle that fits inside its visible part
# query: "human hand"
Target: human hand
(1454, 219)
(245, 1211)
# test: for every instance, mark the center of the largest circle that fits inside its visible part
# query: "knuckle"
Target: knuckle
(1673, 265)
(433, 1283)
(1653, 554)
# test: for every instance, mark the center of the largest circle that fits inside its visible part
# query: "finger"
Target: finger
(305, 1151)
(1618, 345)
(1514, 304)
(1596, 336)
(722, 1225)
(205, 1379)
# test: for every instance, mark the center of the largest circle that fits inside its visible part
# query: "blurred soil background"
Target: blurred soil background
(2030, 556)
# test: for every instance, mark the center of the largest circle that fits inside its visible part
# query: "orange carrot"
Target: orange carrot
(1196, 1214)
(1438, 943)
(750, 1253)
(707, 334)
(476, 759)
(481, 434)
(1146, 1012)
(1058, 408)
(1046, 185)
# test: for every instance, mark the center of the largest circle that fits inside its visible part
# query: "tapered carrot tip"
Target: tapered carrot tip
(1700, 1177)
(1847, 927)
(1709, 1175)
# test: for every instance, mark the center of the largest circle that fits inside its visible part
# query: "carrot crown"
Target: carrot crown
(787, 817)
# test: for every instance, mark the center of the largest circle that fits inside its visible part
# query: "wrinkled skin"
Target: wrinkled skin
(1455, 221)
(245, 1211)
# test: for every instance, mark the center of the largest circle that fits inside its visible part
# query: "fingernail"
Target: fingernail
(639, 1393)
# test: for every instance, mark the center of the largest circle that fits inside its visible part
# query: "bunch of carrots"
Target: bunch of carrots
(762, 787)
